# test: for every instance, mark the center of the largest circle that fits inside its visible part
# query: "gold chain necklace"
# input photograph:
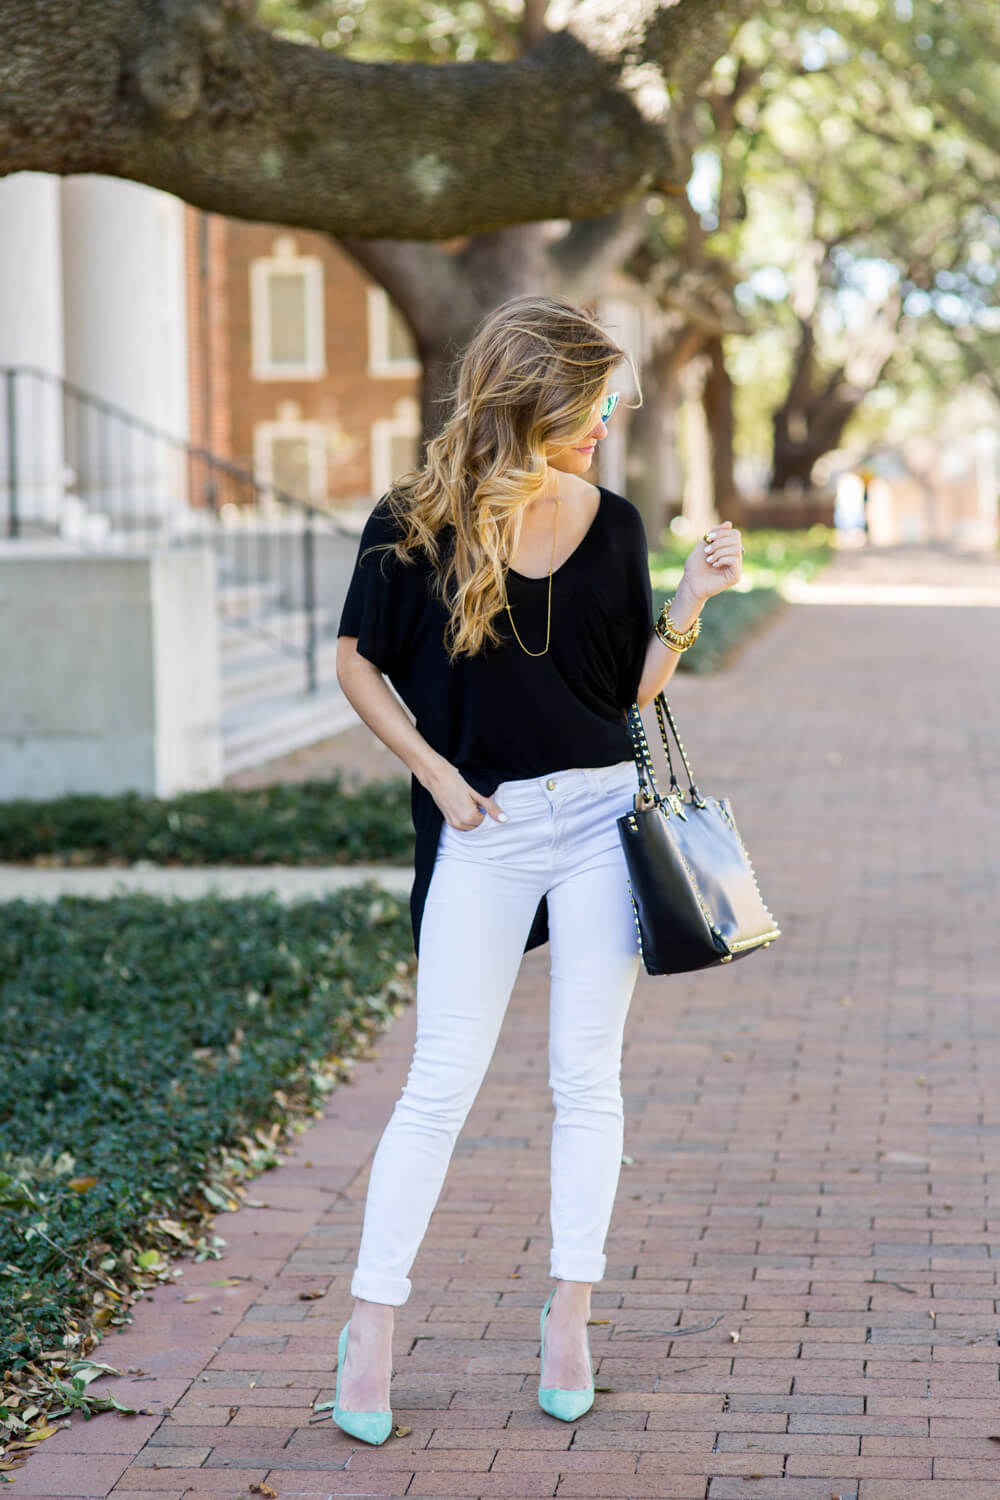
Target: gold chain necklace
(548, 615)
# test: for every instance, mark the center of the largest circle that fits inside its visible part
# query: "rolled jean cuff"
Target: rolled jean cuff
(577, 1267)
(373, 1288)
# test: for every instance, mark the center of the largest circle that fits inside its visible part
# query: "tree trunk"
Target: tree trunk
(802, 435)
(817, 408)
(444, 295)
(717, 399)
(699, 508)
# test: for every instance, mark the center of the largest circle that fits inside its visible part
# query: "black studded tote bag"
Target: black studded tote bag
(693, 888)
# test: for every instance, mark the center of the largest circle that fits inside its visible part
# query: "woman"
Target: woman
(507, 599)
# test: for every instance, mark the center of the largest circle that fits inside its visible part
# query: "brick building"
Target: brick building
(299, 366)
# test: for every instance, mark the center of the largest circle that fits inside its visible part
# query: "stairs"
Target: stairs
(266, 708)
(81, 474)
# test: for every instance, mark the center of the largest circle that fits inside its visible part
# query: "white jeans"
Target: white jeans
(560, 840)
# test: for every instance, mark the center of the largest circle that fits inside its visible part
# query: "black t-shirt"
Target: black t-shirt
(503, 715)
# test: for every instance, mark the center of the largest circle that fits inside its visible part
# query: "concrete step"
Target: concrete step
(260, 730)
(263, 671)
(285, 627)
(253, 597)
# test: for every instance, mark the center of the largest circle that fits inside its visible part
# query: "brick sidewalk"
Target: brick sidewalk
(802, 1127)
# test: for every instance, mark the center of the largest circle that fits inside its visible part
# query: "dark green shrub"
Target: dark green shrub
(148, 1049)
(305, 823)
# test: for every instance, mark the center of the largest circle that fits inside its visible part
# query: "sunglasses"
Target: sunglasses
(608, 405)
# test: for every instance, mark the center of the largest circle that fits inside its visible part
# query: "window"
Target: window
(291, 455)
(395, 445)
(391, 351)
(286, 315)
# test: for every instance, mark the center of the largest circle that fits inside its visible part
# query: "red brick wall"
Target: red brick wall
(346, 400)
(208, 355)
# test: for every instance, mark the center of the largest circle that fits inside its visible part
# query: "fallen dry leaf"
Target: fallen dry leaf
(310, 1296)
(194, 1297)
(403, 1431)
(264, 1489)
(734, 1337)
(82, 1184)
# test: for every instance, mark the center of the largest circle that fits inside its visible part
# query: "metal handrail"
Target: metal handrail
(78, 466)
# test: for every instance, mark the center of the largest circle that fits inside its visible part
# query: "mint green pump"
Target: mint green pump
(369, 1426)
(566, 1405)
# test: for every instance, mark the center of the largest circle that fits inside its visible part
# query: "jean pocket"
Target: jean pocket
(470, 833)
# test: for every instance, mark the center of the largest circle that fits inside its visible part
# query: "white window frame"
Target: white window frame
(314, 364)
(405, 423)
(380, 366)
(314, 433)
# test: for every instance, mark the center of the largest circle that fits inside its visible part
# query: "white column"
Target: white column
(31, 335)
(126, 341)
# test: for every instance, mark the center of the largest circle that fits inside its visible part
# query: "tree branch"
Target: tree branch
(592, 248)
(190, 96)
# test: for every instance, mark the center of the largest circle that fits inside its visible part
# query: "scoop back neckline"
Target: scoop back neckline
(544, 577)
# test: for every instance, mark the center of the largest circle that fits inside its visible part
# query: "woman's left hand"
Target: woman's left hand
(715, 565)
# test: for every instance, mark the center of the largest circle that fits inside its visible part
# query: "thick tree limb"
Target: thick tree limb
(192, 97)
(592, 248)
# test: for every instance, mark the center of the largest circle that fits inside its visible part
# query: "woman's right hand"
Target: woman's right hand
(460, 803)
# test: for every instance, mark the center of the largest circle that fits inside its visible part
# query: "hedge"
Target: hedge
(305, 823)
(153, 1054)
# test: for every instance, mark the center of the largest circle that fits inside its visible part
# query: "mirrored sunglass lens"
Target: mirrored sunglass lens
(607, 407)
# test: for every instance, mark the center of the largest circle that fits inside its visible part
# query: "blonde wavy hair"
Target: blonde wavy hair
(528, 381)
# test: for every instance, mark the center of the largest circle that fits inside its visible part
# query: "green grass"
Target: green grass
(771, 559)
(306, 823)
(153, 1054)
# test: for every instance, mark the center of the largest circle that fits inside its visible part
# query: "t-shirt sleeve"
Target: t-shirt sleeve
(639, 606)
(373, 609)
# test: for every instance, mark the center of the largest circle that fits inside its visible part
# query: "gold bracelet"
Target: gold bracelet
(665, 628)
(678, 650)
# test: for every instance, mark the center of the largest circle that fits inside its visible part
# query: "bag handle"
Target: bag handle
(644, 760)
(663, 707)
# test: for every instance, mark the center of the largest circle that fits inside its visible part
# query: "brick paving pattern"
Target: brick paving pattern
(814, 1143)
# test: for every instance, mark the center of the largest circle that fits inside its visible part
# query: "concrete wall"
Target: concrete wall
(109, 678)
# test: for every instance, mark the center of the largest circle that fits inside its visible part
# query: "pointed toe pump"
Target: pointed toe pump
(369, 1426)
(566, 1405)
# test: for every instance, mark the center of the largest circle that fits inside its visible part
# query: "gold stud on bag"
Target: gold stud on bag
(693, 889)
